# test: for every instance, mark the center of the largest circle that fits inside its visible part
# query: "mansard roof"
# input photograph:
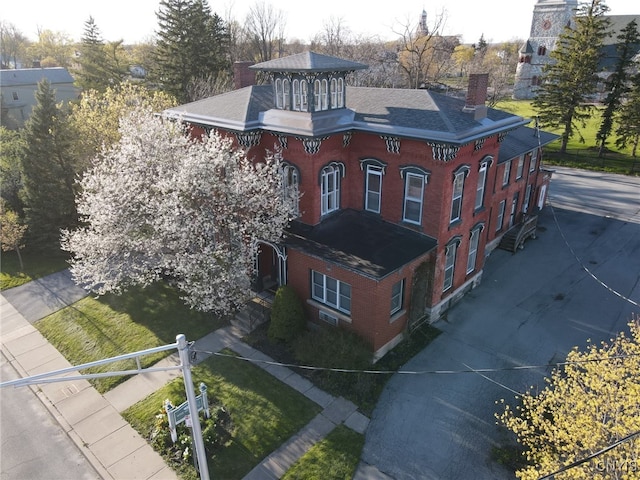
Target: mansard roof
(309, 62)
(409, 113)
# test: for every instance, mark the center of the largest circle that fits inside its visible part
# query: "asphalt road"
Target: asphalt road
(33, 445)
(531, 309)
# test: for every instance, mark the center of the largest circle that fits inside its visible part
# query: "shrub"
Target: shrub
(216, 433)
(287, 315)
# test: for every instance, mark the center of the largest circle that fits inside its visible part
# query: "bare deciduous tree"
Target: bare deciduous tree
(420, 49)
(265, 28)
(13, 45)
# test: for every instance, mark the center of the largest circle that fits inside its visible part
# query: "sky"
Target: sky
(135, 20)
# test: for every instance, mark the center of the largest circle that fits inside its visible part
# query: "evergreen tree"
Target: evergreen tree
(571, 78)
(48, 169)
(628, 130)
(617, 86)
(99, 63)
(192, 45)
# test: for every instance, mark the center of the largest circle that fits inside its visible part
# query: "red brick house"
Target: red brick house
(403, 192)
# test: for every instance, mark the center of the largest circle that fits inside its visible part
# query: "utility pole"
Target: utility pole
(198, 442)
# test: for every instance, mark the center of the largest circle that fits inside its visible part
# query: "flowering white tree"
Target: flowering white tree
(161, 204)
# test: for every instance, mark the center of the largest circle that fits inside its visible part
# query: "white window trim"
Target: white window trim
(506, 175)
(295, 90)
(474, 242)
(399, 296)
(407, 198)
(279, 93)
(533, 161)
(291, 186)
(520, 168)
(527, 198)
(501, 209)
(449, 267)
(333, 90)
(373, 170)
(330, 177)
(482, 175)
(455, 216)
(304, 96)
(338, 305)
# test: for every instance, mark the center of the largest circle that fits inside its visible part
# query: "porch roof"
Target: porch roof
(360, 241)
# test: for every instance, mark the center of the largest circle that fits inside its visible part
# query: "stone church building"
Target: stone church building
(550, 17)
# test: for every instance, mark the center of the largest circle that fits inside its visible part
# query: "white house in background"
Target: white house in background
(18, 88)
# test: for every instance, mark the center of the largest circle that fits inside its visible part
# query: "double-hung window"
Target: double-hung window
(396, 296)
(373, 188)
(474, 240)
(500, 219)
(331, 292)
(533, 161)
(330, 188)
(456, 197)
(520, 168)
(527, 198)
(290, 187)
(506, 174)
(482, 180)
(449, 265)
(413, 195)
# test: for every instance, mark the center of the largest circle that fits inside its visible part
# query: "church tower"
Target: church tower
(550, 17)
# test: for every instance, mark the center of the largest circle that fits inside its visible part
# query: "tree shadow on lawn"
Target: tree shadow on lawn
(159, 308)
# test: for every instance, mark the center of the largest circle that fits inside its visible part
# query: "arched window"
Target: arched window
(330, 187)
(542, 50)
(320, 88)
(334, 93)
(286, 98)
(304, 96)
(340, 93)
(291, 186)
(279, 93)
(295, 88)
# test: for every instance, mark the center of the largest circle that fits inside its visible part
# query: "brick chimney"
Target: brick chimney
(243, 76)
(477, 95)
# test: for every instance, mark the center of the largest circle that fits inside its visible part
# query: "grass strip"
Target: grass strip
(265, 413)
(94, 329)
(335, 457)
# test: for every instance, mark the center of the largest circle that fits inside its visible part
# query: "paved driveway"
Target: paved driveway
(531, 309)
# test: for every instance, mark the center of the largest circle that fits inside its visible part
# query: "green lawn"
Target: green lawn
(265, 413)
(93, 329)
(580, 154)
(334, 458)
(36, 264)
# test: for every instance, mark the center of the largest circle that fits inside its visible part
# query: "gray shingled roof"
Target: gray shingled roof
(309, 61)
(236, 110)
(32, 76)
(521, 141)
(407, 113)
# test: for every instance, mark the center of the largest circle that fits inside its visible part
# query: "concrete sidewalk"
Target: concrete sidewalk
(112, 446)
(93, 421)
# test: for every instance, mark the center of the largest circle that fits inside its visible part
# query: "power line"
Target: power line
(592, 456)
(584, 267)
(413, 372)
